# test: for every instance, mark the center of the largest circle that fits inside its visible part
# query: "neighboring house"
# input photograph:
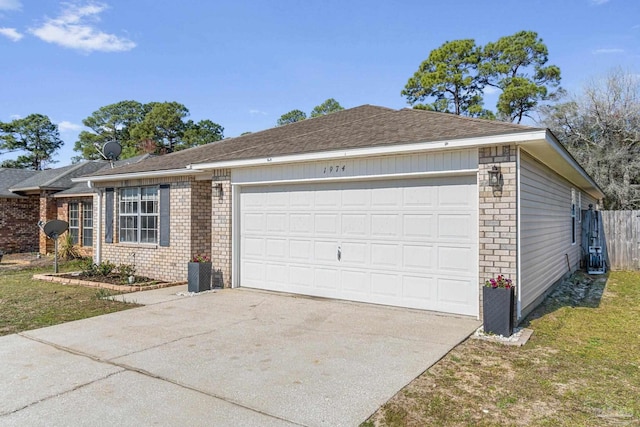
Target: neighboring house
(367, 204)
(29, 196)
(18, 214)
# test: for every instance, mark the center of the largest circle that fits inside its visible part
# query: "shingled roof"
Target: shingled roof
(10, 177)
(360, 127)
(58, 178)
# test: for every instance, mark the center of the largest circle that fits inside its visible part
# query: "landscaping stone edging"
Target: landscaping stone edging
(121, 288)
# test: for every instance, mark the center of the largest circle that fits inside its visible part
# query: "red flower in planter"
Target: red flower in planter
(200, 258)
(500, 282)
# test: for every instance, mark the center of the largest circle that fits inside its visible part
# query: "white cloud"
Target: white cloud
(65, 126)
(10, 5)
(599, 2)
(11, 34)
(489, 90)
(15, 116)
(607, 51)
(71, 29)
(253, 112)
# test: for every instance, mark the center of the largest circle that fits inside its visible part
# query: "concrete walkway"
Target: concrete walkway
(231, 357)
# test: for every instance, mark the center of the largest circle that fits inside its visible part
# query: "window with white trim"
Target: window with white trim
(574, 225)
(138, 215)
(74, 222)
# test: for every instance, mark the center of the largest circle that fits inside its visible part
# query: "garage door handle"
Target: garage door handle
(339, 253)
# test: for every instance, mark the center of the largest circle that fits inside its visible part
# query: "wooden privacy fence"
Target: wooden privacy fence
(621, 231)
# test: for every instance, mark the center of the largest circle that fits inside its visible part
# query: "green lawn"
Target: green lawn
(29, 304)
(580, 368)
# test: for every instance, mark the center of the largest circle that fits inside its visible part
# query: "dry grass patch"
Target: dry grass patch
(26, 303)
(580, 368)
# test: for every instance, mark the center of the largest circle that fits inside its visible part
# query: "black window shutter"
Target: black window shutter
(165, 206)
(108, 216)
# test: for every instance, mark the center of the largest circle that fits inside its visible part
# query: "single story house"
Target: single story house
(402, 207)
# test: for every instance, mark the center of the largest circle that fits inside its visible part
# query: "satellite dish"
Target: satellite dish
(54, 228)
(111, 150)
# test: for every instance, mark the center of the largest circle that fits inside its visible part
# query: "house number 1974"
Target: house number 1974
(334, 169)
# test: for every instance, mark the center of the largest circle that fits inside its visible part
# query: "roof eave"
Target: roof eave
(137, 175)
(448, 144)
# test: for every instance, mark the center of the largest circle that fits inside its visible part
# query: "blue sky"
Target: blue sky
(243, 64)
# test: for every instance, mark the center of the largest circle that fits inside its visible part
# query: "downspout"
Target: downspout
(97, 255)
(518, 240)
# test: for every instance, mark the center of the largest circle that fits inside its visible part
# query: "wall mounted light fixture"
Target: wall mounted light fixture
(217, 190)
(495, 177)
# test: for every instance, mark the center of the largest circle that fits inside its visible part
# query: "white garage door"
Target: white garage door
(409, 243)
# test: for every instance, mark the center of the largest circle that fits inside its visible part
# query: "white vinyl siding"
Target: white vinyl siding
(405, 165)
(546, 248)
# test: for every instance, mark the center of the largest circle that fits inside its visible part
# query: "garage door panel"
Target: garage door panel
(421, 290)
(355, 225)
(277, 248)
(325, 251)
(387, 285)
(254, 247)
(253, 272)
(277, 274)
(418, 257)
(454, 293)
(418, 197)
(253, 222)
(385, 226)
(327, 199)
(301, 223)
(354, 253)
(278, 199)
(301, 250)
(455, 259)
(276, 222)
(326, 224)
(356, 198)
(385, 197)
(385, 255)
(410, 243)
(301, 276)
(455, 226)
(356, 284)
(326, 278)
(418, 226)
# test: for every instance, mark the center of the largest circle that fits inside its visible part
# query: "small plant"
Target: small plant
(499, 282)
(103, 293)
(201, 258)
(105, 268)
(68, 249)
(89, 269)
(124, 271)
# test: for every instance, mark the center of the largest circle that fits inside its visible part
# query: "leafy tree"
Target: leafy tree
(35, 135)
(450, 76)
(291, 117)
(164, 124)
(203, 132)
(327, 107)
(165, 127)
(112, 122)
(601, 128)
(516, 65)
(454, 76)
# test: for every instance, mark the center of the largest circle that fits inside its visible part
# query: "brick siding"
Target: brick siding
(497, 215)
(18, 224)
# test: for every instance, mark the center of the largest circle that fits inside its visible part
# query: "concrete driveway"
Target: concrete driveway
(234, 357)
